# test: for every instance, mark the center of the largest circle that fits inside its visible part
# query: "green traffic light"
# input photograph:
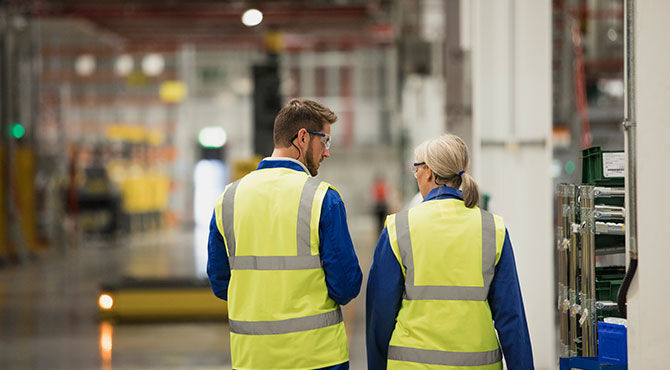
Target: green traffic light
(18, 131)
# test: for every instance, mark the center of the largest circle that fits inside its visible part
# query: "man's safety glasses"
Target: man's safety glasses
(325, 138)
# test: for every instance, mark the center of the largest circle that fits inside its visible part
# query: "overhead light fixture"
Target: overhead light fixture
(153, 64)
(124, 65)
(252, 17)
(84, 65)
(212, 137)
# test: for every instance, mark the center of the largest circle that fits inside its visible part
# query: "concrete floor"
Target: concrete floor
(48, 312)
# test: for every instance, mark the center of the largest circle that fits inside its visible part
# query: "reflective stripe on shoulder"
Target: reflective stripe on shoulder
(228, 212)
(318, 321)
(305, 216)
(303, 259)
(446, 358)
(460, 293)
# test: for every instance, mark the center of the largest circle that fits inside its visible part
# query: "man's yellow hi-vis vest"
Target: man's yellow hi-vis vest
(448, 254)
(280, 314)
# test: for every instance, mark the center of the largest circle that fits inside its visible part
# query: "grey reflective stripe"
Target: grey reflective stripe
(305, 216)
(302, 261)
(405, 245)
(488, 248)
(446, 358)
(275, 262)
(321, 320)
(228, 224)
(456, 293)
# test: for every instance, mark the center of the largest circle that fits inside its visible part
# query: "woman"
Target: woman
(443, 273)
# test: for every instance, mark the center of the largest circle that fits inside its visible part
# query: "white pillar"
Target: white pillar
(648, 299)
(511, 67)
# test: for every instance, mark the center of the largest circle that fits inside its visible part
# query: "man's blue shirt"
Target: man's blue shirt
(386, 286)
(340, 264)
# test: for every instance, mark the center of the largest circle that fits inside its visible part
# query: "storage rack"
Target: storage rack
(590, 223)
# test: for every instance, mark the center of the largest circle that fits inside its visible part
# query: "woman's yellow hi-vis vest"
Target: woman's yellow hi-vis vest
(279, 311)
(448, 254)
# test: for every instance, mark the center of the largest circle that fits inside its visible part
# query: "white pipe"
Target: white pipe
(630, 128)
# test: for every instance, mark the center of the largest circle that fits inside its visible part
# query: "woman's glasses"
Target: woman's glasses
(416, 167)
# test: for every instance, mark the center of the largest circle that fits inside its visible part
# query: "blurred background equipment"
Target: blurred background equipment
(121, 121)
(144, 300)
(267, 104)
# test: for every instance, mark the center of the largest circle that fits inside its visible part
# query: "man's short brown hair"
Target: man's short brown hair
(297, 114)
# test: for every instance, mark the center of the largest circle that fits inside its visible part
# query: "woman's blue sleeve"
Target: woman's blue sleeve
(384, 296)
(508, 313)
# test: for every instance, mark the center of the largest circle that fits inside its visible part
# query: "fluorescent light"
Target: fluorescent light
(124, 65)
(85, 65)
(212, 137)
(252, 17)
(153, 64)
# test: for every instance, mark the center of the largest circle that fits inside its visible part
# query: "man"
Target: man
(280, 252)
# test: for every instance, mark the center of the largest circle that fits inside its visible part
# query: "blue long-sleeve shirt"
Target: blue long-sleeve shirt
(340, 264)
(386, 286)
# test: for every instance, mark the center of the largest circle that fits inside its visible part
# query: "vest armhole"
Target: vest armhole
(393, 240)
(218, 210)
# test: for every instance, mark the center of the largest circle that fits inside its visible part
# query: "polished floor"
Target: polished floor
(48, 313)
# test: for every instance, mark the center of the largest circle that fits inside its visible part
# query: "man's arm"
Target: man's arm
(508, 314)
(383, 300)
(218, 267)
(340, 264)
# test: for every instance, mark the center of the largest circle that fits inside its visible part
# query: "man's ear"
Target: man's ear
(305, 137)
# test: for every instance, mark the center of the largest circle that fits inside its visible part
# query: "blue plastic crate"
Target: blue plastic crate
(612, 344)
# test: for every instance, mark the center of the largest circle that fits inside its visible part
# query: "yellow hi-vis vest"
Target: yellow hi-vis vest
(448, 254)
(279, 311)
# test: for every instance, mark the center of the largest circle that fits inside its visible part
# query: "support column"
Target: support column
(648, 301)
(511, 70)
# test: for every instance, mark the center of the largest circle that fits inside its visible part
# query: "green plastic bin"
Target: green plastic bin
(603, 167)
(608, 281)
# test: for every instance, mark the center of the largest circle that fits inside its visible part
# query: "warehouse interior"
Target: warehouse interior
(123, 121)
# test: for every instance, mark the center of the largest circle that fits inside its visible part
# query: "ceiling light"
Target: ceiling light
(153, 64)
(84, 65)
(124, 65)
(212, 137)
(252, 17)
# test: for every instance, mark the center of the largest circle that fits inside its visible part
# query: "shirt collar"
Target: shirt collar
(285, 162)
(443, 192)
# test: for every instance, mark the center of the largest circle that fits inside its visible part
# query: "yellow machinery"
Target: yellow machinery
(160, 300)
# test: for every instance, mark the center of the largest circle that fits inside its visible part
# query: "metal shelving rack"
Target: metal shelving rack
(582, 217)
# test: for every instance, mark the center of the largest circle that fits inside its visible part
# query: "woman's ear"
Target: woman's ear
(431, 176)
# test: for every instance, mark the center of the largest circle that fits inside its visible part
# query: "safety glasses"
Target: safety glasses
(416, 167)
(325, 138)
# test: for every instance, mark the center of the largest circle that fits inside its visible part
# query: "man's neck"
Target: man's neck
(287, 155)
(289, 152)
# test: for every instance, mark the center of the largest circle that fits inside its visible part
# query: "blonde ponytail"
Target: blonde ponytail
(470, 190)
(447, 156)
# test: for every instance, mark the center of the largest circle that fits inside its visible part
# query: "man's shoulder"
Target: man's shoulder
(332, 196)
